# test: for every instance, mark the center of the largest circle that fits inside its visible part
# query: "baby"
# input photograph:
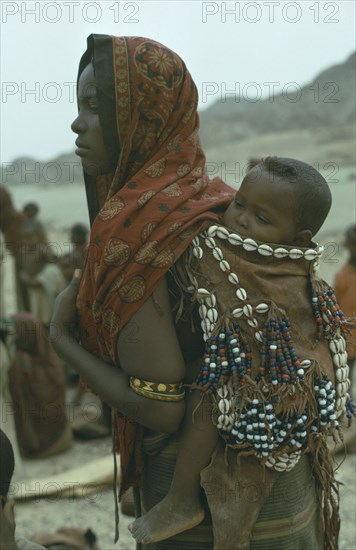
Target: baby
(281, 201)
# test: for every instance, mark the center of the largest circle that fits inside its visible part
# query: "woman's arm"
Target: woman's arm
(111, 383)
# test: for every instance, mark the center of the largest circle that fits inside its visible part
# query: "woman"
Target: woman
(148, 198)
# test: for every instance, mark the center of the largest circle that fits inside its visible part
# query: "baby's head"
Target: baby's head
(281, 200)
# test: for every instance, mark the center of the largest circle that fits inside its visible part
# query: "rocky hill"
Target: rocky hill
(327, 101)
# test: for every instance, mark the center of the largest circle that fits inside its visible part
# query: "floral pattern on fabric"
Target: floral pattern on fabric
(154, 203)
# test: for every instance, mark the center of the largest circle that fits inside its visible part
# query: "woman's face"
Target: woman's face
(90, 143)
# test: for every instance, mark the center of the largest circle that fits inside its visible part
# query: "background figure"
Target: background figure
(345, 290)
(76, 257)
(31, 210)
(37, 386)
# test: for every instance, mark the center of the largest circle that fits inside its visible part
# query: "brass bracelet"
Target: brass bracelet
(157, 390)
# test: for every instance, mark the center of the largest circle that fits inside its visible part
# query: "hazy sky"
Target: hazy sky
(226, 45)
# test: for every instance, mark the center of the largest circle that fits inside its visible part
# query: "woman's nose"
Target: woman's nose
(77, 125)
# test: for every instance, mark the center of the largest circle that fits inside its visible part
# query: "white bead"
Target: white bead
(295, 253)
(212, 230)
(218, 254)
(265, 250)
(262, 308)
(235, 239)
(241, 294)
(249, 245)
(233, 278)
(224, 266)
(310, 254)
(280, 253)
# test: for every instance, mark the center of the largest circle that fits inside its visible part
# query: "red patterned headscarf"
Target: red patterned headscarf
(157, 200)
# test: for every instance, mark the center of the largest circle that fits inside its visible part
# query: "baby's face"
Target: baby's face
(263, 209)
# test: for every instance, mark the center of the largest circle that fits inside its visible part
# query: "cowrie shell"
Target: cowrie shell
(280, 466)
(343, 358)
(212, 230)
(247, 309)
(198, 252)
(202, 292)
(205, 325)
(252, 322)
(238, 312)
(210, 243)
(224, 405)
(295, 253)
(212, 315)
(233, 278)
(196, 241)
(222, 391)
(262, 308)
(271, 460)
(224, 266)
(337, 360)
(334, 346)
(283, 458)
(241, 294)
(235, 239)
(310, 254)
(211, 300)
(280, 252)
(265, 250)
(203, 310)
(218, 254)
(342, 343)
(249, 245)
(305, 363)
(339, 375)
(258, 335)
(222, 232)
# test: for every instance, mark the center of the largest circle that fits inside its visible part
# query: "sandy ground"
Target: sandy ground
(60, 208)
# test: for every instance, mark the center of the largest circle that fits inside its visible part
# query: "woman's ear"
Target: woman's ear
(303, 238)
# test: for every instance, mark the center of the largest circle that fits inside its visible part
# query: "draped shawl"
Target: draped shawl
(145, 214)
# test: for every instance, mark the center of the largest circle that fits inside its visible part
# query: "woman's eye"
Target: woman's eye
(94, 109)
(238, 204)
(262, 219)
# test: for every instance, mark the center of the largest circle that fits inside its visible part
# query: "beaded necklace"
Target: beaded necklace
(249, 410)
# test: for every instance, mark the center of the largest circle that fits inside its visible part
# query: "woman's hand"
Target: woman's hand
(64, 318)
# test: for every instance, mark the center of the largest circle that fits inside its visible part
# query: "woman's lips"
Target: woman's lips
(81, 151)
